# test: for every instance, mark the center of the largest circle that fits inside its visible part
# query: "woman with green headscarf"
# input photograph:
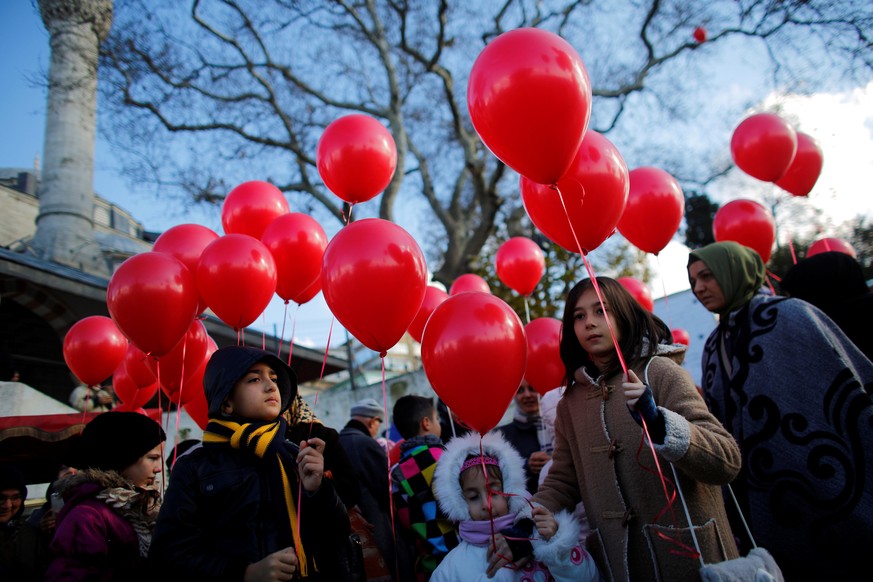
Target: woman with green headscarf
(795, 393)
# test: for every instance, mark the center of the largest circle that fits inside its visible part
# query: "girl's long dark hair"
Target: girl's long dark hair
(633, 322)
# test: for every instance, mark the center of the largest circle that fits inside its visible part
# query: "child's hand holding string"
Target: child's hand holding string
(641, 403)
(310, 463)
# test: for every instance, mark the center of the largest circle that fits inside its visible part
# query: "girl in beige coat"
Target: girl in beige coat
(598, 457)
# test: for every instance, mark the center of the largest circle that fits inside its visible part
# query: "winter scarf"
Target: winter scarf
(265, 440)
(479, 533)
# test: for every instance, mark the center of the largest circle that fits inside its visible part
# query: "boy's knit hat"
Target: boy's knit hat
(447, 476)
(227, 365)
(114, 441)
(367, 407)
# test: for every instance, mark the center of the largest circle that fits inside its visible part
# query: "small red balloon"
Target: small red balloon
(464, 332)
(197, 407)
(432, 297)
(469, 283)
(640, 292)
(826, 245)
(700, 35)
(128, 392)
(748, 223)
(805, 168)
(681, 336)
(152, 298)
(251, 207)
(297, 243)
(356, 157)
(529, 98)
(93, 349)
(654, 210)
(763, 146)
(544, 370)
(520, 264)
(237, 277)
(307, 294)
(180, 364)
(594, 191)
(373, 279)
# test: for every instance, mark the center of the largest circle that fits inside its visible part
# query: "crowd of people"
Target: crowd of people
(581, 484)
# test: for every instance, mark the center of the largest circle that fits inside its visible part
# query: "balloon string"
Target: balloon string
(238, 337)
(590, 270)
(664, 290)
(282, 335)
(327, 349)
(263, 331)
(526, 310)
(293, 334)
(451, 420)
(791, 248)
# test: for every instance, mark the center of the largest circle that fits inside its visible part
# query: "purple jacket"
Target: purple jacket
(94, 541)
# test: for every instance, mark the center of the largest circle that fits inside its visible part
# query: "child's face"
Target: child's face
(591, 328)
(255, 396)
(476, 495)
(144, 472)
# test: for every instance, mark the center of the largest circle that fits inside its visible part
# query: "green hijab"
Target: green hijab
(738, 270)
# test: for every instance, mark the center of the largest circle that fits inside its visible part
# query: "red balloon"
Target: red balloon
(186, 242)
(805, 168)
(469, 283)
(137, 368)
(356, 157)
(655, 206)
(237, 277)
(594, 191)
(196, 405)
(520, 264)
(152, 297)
(700, 35)
(748, 223)
(680, 336)
(373, 279)
(93, 348)
(530, 101)
(297, 243)
(826, 245)
(545, 370)
(181, 363)
(128, 392)
(763, 146)
(307, 294)
(464, 332)
(640, 292)
(432, 297)
(251, 207)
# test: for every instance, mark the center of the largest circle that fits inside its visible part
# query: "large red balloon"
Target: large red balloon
(237, 277)
(545, 370)
(197, 406)
(748, 223)
(152, 297)
(433, 296)
(639, 290)
(297, 243)
(826, 245)
(181, 363)
(356, 157)
(805, 168)
(469, 283)
(681, 336)
(186, 242)
(763, 146)
(530, 101)
(251, 207)
(465, 332)
(654, 210)
(93, 349)
(594, 191)
(373, 279)
(520, 264)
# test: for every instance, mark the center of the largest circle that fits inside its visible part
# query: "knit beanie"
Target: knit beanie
(12, 478)
(114, 441)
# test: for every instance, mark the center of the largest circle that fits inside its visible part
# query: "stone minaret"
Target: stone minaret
(65, 224)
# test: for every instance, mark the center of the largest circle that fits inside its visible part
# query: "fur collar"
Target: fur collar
(447, 484)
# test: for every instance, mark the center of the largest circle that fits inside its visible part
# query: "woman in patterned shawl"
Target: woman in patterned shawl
(795, 393)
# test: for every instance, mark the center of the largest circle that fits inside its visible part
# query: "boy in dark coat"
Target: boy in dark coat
(232, 510)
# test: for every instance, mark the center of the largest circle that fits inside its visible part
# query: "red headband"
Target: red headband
(479, 460)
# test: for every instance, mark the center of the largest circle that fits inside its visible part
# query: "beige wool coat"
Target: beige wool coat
(596, 460)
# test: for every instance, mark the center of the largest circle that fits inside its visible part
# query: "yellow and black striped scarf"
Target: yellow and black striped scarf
(265, 440)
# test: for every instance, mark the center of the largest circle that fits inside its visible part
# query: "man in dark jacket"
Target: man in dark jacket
(232, 508)
(370, 462)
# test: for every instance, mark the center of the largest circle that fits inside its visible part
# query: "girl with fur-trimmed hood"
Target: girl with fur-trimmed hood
(481, 484)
